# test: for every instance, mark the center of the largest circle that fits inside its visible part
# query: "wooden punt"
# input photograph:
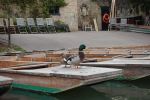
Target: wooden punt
(132, 69)
(5, 84)
(57, 79)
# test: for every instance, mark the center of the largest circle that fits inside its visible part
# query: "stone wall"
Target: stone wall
(93, 12)
(69, 15)
(125, 9)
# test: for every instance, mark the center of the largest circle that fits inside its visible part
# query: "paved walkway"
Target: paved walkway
(74, 39)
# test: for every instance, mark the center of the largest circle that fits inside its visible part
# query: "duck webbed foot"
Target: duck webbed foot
(67, 66)
(77, 66)
(72, 66)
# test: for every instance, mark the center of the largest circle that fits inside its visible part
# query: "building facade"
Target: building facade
(135, 13)
(77, 13)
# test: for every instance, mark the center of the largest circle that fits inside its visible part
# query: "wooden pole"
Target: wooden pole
(8, 27)
(95, 25)
(113, 8)
(112, 11)
(9, 34)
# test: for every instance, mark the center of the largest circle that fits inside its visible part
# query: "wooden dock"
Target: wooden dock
(43, 71)
(120, 63)
(59, 78)
(132, 69)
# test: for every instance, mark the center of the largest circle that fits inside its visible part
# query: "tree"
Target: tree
(34, 5)
(50, 4)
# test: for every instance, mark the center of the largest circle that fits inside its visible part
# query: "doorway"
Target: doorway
(105, 11)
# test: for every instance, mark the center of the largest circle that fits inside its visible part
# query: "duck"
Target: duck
(75, 60)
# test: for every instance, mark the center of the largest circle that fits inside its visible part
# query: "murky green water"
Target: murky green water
(112, 90)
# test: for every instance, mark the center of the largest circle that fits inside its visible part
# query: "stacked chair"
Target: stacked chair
(10, 25)
(50, 25)
(41, 25)
(32, 26)
(113, 24)
(21, 25)
(29, 25)
(123, 25)
(2, 26)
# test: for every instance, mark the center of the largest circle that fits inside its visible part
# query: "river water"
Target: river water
(110, 90)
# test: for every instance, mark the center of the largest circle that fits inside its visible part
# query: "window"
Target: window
(54, 10)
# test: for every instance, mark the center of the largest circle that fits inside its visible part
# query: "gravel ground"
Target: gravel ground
(74, 39)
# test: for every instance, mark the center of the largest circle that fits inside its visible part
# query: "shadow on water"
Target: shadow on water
(110, 90)
(82, 93)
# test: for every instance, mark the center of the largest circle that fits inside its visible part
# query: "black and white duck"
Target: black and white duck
(76, 60)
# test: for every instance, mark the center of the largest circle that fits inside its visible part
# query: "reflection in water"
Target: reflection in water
(125, 90)
(111, 90)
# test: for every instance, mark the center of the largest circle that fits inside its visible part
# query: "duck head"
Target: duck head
(82, 47)
(81, 54)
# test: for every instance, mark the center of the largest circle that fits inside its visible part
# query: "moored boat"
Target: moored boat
(5, 84)
(59, 78)
(132, 69)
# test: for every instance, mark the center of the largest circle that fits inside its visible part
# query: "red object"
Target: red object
(106, 18)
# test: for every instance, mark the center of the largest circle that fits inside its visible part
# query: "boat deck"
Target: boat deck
(59, 78)
(83, 72)
(120, 63)
(44, 70)
(5, 81)
(132, 69)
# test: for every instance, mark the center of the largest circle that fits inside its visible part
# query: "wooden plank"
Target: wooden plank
(95, 24)
(142, 58)
(132, 69)
(120, 63)
(83, 72)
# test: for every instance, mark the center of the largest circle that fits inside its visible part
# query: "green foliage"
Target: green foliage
(34, 11)
(5, 48)
(18, 2)
(33, 5)
(17, 48)
(59, 22)
(61, 26)
(2, 49)
(22, 3)
(50, 4)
